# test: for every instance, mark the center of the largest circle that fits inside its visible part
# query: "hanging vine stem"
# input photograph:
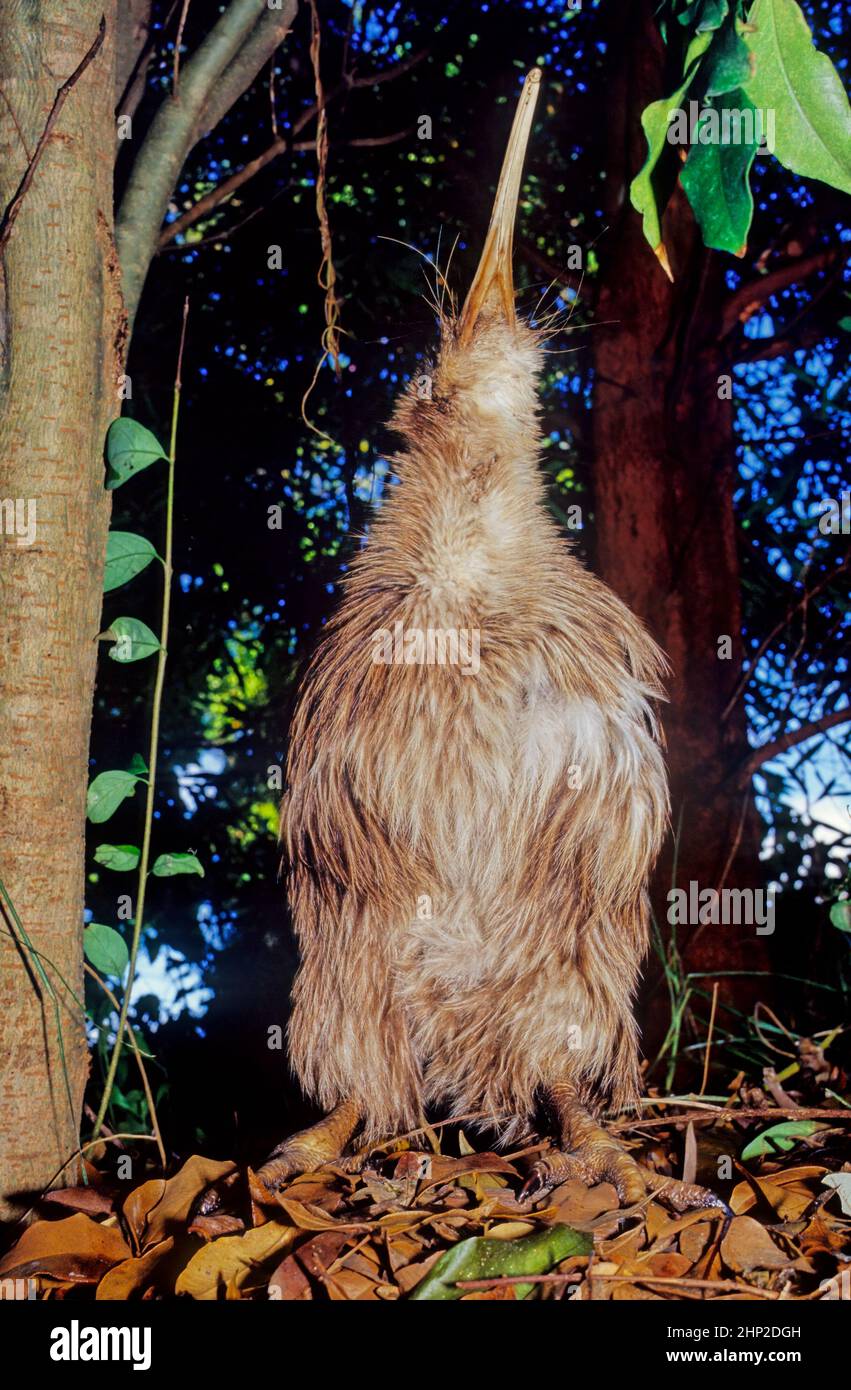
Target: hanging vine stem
(159, 684)
(327, 275)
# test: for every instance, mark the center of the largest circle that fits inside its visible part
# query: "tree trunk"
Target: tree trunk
(63, 329)
(664, 461)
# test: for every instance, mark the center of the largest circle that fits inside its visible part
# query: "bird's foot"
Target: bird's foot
(599, 1158)
(310, 1148)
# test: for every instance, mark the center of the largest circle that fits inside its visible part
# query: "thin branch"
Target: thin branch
(175, 85)
(10, 215)
(259, 48)
(715, 1113)
(789, 740)
(225, 190)
(745, 301)
(175, 129)
(753, 661)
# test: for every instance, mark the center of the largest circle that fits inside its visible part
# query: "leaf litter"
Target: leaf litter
(449, 1223)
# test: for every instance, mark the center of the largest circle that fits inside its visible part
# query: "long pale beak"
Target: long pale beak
(493, 283)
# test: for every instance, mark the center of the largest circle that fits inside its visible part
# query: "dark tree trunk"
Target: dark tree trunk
(664, 474)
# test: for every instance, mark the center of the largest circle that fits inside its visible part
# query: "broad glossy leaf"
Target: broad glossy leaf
(801, 85)
(121, 858)
(107, 792)
(126, 556)
(134, 640)
(481, 1258)
(106, 949)
(651, 189)
(130, 448)
(715, 175)
(166, 865)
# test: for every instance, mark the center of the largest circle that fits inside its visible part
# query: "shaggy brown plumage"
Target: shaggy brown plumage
(469, 849)
(476, 787)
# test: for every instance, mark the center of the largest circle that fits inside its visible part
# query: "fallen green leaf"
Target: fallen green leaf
(783, 1136)
(480, 1258)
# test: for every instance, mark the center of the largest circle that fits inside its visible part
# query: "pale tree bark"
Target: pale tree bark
(63, 336)
(64, 326)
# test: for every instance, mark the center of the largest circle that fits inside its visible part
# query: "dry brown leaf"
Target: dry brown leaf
(231, 1261)
(76, 1249)
(410, 1276)
(748, 1246)
(218, 1224)
(347, 1286)
(822, 1236)
(94, 1201)
(444, 1169)
(789, 1193)
(133, 1276)
(694, 1240)
(157, 1207)
(577, 1205)
(313, 1218)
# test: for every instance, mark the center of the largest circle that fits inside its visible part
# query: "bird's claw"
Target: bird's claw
(602, 1160)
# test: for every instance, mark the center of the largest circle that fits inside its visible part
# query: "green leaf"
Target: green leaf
(480, 1258)
(729, 62)
(134, 640)
(121, 858)
(708, 13)
(784, 1136)
(126, 556)
(166, 865)
(651, 189)
(801, 85)
(105, 949)
(715, 175)
(138, 765)
(712, 15)
(107, 792)
(840, 916)
(130, 448)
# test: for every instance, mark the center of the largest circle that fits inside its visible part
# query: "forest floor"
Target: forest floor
(428, 1216)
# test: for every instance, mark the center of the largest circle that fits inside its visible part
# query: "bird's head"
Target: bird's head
(485, 373)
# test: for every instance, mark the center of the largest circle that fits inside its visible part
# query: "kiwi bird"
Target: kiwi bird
(476, 787)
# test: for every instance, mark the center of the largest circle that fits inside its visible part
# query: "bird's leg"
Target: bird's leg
(589, 1153)
(310, 1148)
